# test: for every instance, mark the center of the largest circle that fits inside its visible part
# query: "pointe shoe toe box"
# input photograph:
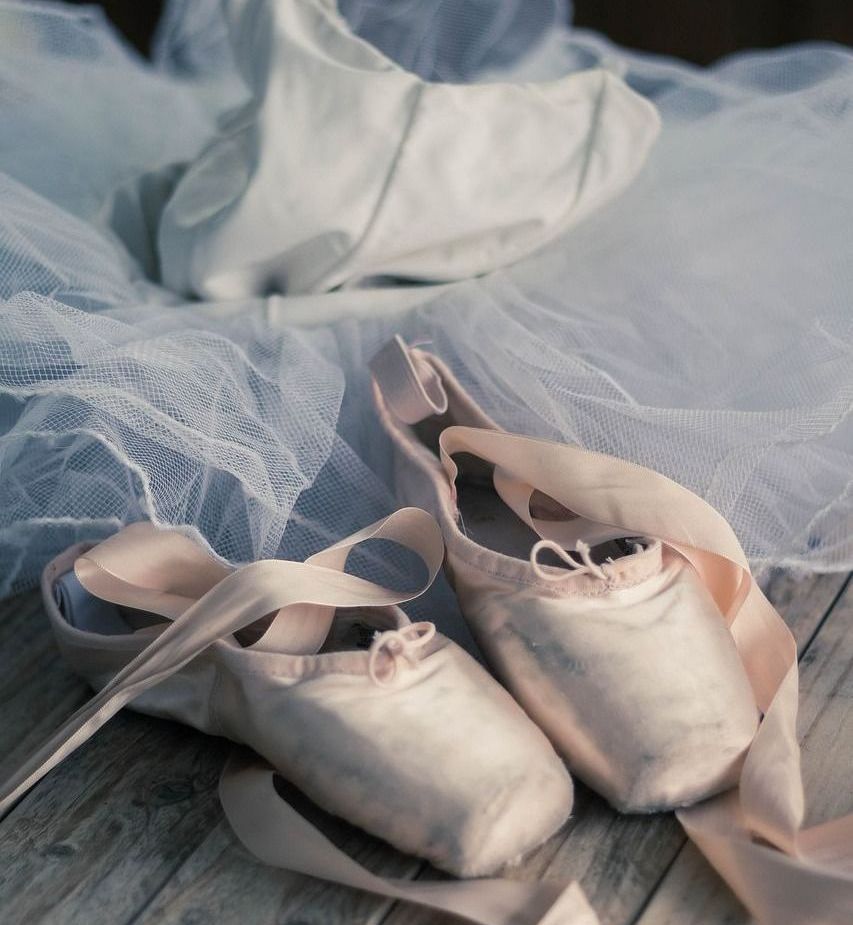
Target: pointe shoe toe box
(641, 690)
(441, 763)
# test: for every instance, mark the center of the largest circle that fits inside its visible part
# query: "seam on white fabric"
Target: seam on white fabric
(348, 258)
(595, 130)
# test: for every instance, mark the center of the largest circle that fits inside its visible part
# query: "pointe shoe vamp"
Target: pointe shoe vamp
(442, 763)
(640, 688)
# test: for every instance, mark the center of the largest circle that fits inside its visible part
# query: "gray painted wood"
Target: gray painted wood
(37, 690)
(105, 830)
(128, 830)
(221, 882)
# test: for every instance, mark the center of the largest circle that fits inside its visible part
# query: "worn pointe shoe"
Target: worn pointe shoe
(380, 721)
(602, 629)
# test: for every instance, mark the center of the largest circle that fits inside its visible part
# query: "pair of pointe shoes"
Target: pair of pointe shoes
(607, 637)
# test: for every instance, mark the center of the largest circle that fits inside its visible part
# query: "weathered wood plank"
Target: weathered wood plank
(214, 882)
(100, 834)
(94, 840)
(620, 859)
(221, 882)
(147, 790)
(803, 602)
(37, 690)
(691, 893)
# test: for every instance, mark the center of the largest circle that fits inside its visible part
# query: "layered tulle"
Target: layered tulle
(698, 324)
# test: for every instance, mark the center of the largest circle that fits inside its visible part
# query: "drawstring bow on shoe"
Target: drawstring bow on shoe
(585, 566)
(404, 643)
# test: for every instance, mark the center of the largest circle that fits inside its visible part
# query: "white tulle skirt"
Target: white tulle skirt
(699, 324)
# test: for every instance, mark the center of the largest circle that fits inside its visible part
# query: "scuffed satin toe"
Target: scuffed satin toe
(640, 686)
(506, 791)
(440, 762)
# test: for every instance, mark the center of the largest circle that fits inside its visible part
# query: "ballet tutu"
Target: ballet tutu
(699, 323)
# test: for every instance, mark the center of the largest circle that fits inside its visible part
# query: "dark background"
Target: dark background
(704, 30)
(697, 30)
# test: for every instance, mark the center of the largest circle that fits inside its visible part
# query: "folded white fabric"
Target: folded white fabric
(345, 167)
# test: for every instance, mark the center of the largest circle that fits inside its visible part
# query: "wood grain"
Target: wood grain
(37, 690)
(128, 830)
(101, 833)
(221, 882)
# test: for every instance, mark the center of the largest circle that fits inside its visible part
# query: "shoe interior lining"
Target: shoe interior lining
(487, 521)
(485, 518)
(460, 411)
(90, 614)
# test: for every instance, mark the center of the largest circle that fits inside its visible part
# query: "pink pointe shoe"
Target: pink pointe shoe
(619, 609)
(380, 721)
(565, 567)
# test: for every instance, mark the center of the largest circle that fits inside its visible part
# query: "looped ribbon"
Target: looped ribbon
(165, 573)
(405, 643)
(585, 567)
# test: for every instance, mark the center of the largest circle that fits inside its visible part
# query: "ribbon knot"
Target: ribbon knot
(585, 566)
(398, 644)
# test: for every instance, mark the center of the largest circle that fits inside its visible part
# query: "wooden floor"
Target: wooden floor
(129, 830)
